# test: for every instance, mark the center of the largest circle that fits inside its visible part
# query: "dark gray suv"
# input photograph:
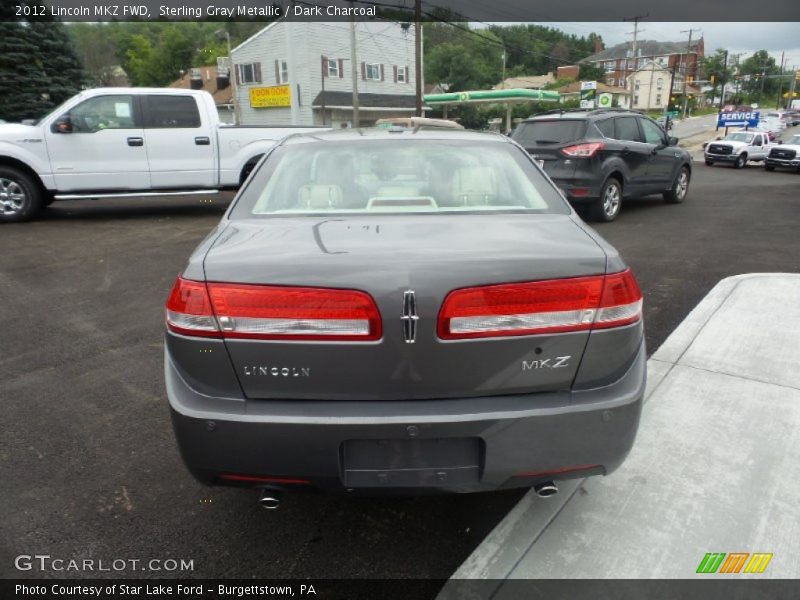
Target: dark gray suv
(598, 157)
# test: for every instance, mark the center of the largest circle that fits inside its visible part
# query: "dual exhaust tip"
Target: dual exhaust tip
(271, 499)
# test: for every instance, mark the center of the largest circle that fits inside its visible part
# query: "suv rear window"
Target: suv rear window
(557, 131)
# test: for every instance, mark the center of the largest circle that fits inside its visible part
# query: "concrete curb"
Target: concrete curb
(509, 550)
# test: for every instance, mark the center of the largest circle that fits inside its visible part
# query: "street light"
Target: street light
(223, 33)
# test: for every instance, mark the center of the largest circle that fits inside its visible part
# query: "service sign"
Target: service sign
(738, 119)
(270, 97)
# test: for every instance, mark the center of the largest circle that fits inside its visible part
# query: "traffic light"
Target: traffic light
(713, 79)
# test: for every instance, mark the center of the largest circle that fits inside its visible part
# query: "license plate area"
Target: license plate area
(443, 462)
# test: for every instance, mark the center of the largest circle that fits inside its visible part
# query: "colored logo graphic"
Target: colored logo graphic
(735, 562)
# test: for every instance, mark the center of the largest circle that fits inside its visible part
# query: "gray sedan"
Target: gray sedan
(404, 310)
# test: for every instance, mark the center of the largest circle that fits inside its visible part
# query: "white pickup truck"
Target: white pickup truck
(785, 156)
(109, 142)
(738, 148)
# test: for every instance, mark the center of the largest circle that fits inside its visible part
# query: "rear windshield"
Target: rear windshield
(397, 176)
(557, 131)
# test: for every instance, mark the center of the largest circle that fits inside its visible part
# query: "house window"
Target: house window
(636, 85)
(402, 74)
(610, 81)
(283, 71)
(333, 67)
(249, 73)
(659, 83)
(622, 82)
(658, 99)
(636, 99)
(374, 72)
(610, 65)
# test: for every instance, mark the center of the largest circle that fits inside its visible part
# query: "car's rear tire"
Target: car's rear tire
(741, 161)
(20, 196)
(606, 208)
(680, 187)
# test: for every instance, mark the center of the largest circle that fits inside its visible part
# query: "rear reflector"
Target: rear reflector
(271, 312)
(554, 306)
(263, 479)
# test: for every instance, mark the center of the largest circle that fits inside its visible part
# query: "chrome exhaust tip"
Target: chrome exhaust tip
(269, 499)
(545, 489)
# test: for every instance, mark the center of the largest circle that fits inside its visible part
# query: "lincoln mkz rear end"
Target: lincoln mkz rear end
(404, 311)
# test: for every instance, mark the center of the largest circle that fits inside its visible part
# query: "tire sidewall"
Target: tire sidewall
(741, 161)
(33, 195)
(599, 212)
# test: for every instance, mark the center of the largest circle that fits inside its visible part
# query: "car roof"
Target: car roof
(581, 113)
(379, 133)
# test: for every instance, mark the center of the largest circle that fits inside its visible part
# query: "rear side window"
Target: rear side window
(606, 127)
(171, 112)
(628, 129)
(557, 131)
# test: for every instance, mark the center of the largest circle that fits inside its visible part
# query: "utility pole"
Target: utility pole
(356, 121)
(635, 32)
(685, 75)
(503, 79)
(418, 53)
(780, 82)
(724, 82)
(323, 67)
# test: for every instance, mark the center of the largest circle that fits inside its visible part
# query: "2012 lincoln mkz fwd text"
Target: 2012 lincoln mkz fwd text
(403, 309)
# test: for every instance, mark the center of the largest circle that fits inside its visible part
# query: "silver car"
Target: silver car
(403, 309)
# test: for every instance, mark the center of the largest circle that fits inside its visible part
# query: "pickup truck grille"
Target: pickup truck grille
(719, 149)
(784, 153)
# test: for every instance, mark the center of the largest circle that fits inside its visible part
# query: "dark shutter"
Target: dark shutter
(394, 71)
(324, 66)
(407, 72)
(277, 72)
(341, 68)
(257, 72)
(364, 71)
(382, 72)
(236, 70)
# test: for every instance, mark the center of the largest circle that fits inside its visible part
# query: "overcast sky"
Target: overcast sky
(735, 37)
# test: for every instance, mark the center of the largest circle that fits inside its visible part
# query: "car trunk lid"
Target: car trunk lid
(387, 257)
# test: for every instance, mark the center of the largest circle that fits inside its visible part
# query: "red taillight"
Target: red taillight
(583, 150)
(273, 312)
(555, 306)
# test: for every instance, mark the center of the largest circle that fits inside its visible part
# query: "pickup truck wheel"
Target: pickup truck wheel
(709, 163)
(741, 161)
(20, 196)
(680, 187)
(606, 208)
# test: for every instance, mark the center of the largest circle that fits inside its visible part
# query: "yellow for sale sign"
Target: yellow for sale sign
(268, 97)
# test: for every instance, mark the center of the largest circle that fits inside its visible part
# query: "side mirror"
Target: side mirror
(673, 141)
(62, 125)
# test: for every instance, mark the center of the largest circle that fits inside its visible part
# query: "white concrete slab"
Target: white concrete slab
(714, 468)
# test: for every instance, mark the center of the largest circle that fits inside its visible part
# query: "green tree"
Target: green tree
(57, 59)
(24, 82)
(758, 76)
(716, 70)
(590, 72)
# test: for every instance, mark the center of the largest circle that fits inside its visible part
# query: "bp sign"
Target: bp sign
(605, 100)
(588, 93)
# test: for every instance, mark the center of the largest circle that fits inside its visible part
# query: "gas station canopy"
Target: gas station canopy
(507, 97)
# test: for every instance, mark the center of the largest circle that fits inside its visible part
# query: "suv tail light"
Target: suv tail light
(583, 150)
(553, 306)
(271, 312)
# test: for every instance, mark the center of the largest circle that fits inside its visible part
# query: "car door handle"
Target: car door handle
(202, 141)
(134, 141)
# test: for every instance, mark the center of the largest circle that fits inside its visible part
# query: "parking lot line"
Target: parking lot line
(712, 468)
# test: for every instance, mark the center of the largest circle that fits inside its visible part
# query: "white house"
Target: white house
(649, 86)
(301, 73)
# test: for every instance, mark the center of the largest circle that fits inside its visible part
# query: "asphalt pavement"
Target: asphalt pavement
(87, 460)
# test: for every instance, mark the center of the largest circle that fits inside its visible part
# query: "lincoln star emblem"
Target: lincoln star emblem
(409, 317)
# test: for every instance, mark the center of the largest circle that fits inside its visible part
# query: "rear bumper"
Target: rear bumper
(522, 439)
(579, 191)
